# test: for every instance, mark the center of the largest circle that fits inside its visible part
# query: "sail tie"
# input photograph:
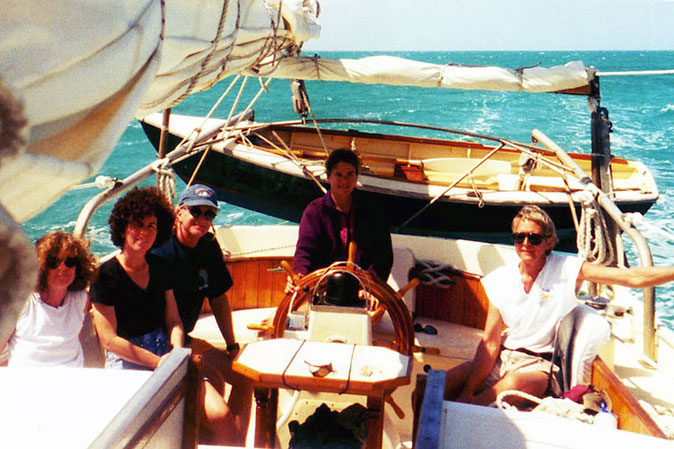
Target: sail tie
(101, 181)
(299, 92)
(166, 182)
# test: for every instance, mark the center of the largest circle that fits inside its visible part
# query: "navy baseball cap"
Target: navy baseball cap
(198, 195)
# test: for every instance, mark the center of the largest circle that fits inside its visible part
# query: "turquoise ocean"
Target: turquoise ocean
(640, 107)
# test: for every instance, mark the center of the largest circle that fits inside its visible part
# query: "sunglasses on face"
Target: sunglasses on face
(208, 214)
(534, 239)
(54, 262)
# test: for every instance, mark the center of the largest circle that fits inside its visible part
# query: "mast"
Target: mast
(601, 145)
(601, 176)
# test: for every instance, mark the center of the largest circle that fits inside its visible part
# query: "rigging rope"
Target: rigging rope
(166, 181)
(101, 181)
(637, 72)
(566, 408)
(593, 235)
(451, 186)
(229, 130)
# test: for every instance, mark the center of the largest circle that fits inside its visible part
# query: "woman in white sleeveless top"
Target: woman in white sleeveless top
(47, 331)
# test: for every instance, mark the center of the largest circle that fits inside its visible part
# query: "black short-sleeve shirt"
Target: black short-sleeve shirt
(138, 311)
(196, 273)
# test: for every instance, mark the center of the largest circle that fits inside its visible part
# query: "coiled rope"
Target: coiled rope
(565, 408)
(166, 178)
(593, 236)
(434, 274)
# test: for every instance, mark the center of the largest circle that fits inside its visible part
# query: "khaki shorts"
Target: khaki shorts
(510, 361)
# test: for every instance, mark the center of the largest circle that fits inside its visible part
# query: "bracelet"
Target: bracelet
(233, 347)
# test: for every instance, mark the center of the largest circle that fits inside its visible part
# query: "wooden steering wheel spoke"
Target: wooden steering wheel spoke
(389, 301)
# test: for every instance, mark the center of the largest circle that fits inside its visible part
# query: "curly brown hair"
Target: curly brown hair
(60, 245)
(134, 207)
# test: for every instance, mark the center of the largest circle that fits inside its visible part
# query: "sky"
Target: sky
(445, 25)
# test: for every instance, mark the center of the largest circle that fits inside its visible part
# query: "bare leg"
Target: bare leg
(455, 379)
(240, 397)
(218, 423)
(532, 382)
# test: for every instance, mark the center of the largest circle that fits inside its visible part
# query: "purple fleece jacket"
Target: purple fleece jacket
(319, 243)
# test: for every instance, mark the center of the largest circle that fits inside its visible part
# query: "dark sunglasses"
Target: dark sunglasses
(427, 329)
(198, 213)
(534, 239)
(54, 262)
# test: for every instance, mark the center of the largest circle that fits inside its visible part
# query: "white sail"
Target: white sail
(73, 73)
(403, 72)
(84, 68)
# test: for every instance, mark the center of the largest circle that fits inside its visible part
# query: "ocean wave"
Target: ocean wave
(669, 109)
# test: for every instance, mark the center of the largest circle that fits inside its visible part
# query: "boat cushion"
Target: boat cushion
(580, 335)
(403, 262)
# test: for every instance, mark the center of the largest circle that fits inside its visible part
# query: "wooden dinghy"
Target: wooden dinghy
(484, 181)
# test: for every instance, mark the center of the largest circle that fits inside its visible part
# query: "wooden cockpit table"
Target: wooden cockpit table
(371, 371)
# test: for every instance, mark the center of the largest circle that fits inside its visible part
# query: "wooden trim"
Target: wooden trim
(192, 403)
(464, 302)
(266, 400)
(257, 282)
(631, 415)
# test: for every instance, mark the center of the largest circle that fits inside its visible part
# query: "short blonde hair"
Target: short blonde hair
(538, 216)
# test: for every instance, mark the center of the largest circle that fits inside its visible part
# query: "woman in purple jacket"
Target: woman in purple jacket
(331, 222)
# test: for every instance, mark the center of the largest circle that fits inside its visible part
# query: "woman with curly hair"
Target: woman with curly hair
(48, 328)
(135, 312)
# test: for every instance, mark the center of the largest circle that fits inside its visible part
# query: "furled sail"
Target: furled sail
(84, 68)
(404, 72)
(73, 73)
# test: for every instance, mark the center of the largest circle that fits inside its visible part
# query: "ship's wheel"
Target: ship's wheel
(389, 300)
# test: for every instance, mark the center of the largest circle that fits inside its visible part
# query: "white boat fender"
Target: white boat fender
(605, 418)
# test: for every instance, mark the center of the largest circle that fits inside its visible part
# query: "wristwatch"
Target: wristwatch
(233, 347)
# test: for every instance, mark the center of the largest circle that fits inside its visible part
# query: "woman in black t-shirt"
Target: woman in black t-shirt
(135, 312)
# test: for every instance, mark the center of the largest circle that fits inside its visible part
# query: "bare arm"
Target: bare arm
(223, 316)
(485, 355)
(636, 277)
(87, 308)
(106, 326)
(174, 325)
